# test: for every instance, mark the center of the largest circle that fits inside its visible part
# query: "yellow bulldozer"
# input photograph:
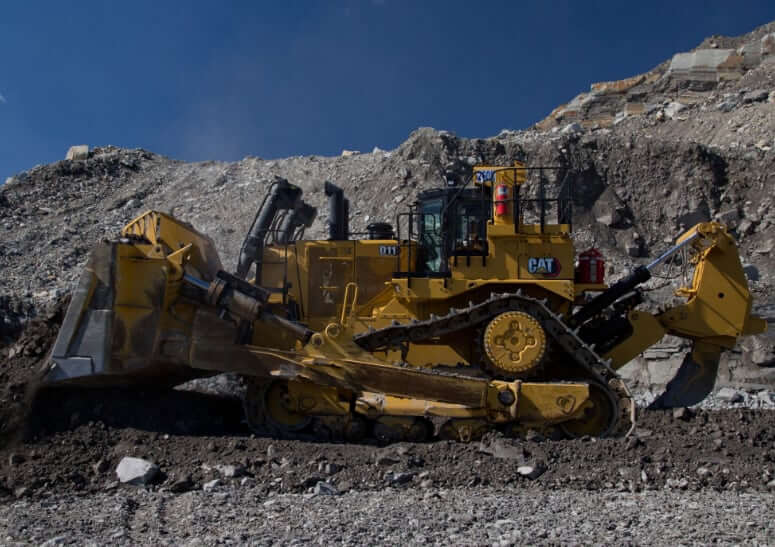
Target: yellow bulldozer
(471, 313)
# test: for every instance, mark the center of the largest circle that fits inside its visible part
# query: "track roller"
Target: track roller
(391, 429)
(464, 429)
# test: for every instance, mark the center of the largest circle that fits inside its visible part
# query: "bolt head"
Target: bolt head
(506, 397)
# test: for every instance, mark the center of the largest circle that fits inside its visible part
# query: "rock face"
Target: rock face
(687, 79)
(648, 156)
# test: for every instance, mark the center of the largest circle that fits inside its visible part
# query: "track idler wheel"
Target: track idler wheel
(268, 409)
(279, 409)
(514, 343)
(600, 415)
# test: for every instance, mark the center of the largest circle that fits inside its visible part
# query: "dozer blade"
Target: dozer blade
(105, 340)
(694, 379)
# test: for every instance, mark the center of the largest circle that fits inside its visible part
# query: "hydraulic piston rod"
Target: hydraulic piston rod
(623, 286)
(671, 251)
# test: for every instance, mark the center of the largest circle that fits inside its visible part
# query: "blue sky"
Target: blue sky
(222, 80)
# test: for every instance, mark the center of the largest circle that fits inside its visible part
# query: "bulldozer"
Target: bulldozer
(471, 313)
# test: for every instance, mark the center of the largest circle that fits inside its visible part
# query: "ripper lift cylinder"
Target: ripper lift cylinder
(282, 195)
(302, 215)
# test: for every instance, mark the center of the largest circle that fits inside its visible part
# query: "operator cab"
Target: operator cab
(448, 223)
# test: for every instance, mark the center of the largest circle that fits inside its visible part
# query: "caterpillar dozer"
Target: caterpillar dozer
(470, 313)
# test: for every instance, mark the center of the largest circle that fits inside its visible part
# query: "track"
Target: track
(590, 364)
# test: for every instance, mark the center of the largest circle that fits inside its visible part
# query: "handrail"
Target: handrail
(354, 287)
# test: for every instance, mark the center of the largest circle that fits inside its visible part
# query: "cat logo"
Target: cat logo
(547, 265)
(388, 250)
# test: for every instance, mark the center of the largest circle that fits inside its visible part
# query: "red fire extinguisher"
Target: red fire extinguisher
(591, 267)
(502, 200)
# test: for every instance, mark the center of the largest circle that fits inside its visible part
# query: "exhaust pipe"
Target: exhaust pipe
(338, 213)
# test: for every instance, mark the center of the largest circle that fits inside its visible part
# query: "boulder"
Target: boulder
(400, 477)
(211, 485)
(706, 65)
(78, 152)
(325, 489)
(730, 395)
(672, 110)
(499, 448)
(101, 466)
(727, 105)
(756, 96)
(183, 485)
(574, 128)
(767, 397)
(230, 471)
(531, 471)
(136, 471)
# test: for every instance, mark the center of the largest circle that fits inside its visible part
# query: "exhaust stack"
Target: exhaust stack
(338, 213)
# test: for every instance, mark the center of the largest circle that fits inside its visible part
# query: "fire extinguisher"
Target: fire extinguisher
(502, 200)
(591, 268)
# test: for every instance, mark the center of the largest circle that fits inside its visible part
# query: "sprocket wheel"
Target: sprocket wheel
(514, 344)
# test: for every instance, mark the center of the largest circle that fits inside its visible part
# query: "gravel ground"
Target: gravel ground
(481, 515)
(689, 477)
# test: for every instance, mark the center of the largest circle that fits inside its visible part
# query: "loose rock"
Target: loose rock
(136, 471)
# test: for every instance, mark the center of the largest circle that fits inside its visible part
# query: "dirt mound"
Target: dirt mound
(20, 363)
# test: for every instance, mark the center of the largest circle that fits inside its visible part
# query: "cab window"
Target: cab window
(431, 230)
(470, 227)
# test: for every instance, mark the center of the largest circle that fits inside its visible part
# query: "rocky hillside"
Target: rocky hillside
(692, 140)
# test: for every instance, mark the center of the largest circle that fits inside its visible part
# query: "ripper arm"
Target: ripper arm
(717, 311)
